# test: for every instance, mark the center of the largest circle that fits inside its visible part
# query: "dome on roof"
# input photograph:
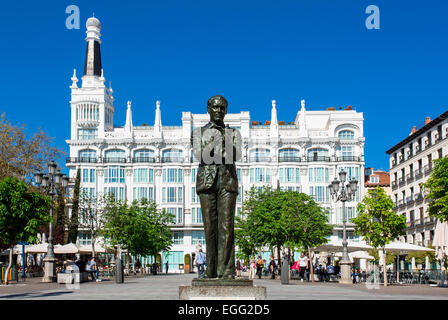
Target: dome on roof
(93, 22)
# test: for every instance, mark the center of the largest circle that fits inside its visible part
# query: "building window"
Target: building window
(87, 134)
(144, 155)
(346, 135)
(194, 172)
(239, 199)
(172, 175)
(289, 174)
(194, 196)
(196, 215)
(88, 175)
(351, 213)
(346, 152)
(259, 155)
(117, 192)
(350, 236)
(114, 174)
(318, 175)
(178, 237)
(143, 175)
(374, 179)
(320, 194)
(115, 155)
(89, 193)
(285, 155)
(87, 155)
(85, 239)
(238, 173)
(172, 194)
(352, 172)
(260, 175)
(197, 236)
(172, 155)
(140, 193)
(318, 154)
(178, 215)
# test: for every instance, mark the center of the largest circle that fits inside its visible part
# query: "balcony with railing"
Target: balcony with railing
(401, 181)
(143, 160)
(410, 200)
(394, 184)
(348, 159)
(430, 220)
(411, 224)
(114, 160)
(172, 159)
(259, 158)
(318, 159)
(418, 173)
(418, 222)
(289, 159)
(82, 160)
(427, 169)
(419, 197)
(410, 177)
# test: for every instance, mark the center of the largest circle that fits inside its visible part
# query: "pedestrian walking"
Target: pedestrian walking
(272, 267)
(200, 262)
(166, 266)
(260, 266)
(353, 274)
(303, 264)
(252, 267)
(92, 268)
(238, 267)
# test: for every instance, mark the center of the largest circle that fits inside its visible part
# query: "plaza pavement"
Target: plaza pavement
(166, 287)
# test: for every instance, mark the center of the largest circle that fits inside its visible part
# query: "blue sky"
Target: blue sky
(183, 52)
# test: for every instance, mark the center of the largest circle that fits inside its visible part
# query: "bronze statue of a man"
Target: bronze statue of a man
(217, 147)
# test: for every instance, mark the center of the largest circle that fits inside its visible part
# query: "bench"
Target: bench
(75, 277)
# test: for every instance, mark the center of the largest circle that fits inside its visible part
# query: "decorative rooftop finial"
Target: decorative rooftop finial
(158, 104)
(303, 104)
(74, 79)
(274, 103)
(129, 104)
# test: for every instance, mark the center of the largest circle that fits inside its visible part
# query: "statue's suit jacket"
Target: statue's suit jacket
(207, 173)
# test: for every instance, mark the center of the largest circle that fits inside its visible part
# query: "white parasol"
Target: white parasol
(67, 249)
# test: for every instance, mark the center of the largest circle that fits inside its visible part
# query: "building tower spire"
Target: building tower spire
(128, 125)
(158, 122)
(92, 65)
(274, 122)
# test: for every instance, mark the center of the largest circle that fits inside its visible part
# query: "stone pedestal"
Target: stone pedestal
(345, 272)
(50, 269)
(220, 289)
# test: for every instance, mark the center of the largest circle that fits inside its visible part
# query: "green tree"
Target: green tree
(141, 228)
(437, 187)
(259, 224)
(22, 212)
(275, 218)
(306, 223)
(90, 215)
(377, 222)
(74, 219)
(22, 156)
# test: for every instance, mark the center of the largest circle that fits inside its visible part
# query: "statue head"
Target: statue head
(217, 108)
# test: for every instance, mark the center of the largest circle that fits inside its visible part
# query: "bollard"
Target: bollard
(285, 270)
(119, 275)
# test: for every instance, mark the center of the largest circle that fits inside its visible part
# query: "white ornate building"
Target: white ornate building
(156, 161)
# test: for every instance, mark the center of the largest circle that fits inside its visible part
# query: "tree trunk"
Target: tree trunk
(311, 265)
(93, 246)
(9, 265)
(279, 264)
(384, 267)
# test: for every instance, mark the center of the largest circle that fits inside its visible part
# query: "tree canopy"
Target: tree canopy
(377, 222)
(140, 227)
(275, 218)
(22, 213)
(437, 187)
(22, 156)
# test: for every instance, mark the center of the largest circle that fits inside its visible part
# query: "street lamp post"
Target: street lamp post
(347, 193)
(50, 182)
